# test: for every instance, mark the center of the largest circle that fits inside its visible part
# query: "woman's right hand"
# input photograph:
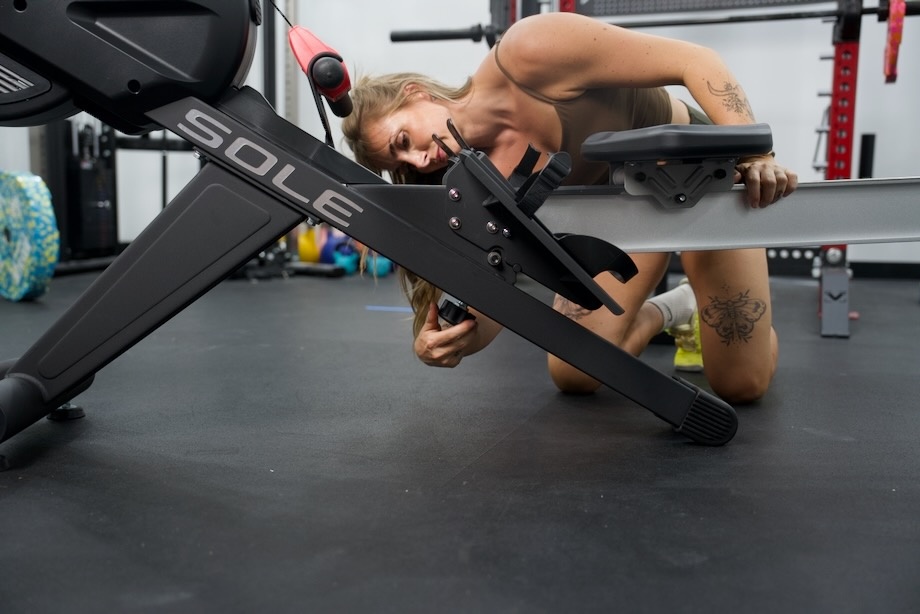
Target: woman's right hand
(445, 347)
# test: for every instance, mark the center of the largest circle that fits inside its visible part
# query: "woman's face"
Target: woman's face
(404, 138)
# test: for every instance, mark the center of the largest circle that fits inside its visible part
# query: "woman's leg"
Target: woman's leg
(631, 331)
(740, 347)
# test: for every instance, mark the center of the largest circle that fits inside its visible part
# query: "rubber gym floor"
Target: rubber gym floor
(277, 447)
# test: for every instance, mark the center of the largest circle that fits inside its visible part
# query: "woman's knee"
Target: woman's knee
(568, 379)
(741, 389)
(746, 381)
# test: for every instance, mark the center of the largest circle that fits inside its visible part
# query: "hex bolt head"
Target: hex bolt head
(494, 258)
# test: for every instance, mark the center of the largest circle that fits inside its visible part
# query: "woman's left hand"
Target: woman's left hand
(766, 181)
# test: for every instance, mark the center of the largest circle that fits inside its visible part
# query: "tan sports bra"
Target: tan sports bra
(600, 110)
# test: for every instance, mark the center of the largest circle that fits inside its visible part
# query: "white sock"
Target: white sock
(676, 306)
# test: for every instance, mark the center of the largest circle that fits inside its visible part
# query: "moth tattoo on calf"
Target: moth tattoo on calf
(733, 318)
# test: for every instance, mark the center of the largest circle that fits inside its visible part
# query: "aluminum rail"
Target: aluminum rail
(820, 213)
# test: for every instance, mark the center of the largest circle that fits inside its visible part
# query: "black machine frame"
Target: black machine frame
(263, 176)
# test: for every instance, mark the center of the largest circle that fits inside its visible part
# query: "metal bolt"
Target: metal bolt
(491, 227)
(454, 194)
(506, 232)
(494, 258)
(680, 199)
(455, 223)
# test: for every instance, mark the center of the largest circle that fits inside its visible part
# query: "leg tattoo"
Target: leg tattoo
(569, 309)
(733, 318)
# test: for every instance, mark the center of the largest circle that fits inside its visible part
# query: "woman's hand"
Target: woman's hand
(438, 347)
(766, 180)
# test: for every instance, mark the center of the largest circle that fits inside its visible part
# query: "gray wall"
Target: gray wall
(778, 63)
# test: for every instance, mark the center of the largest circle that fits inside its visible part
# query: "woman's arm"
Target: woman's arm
(563, 54)
(446, 347)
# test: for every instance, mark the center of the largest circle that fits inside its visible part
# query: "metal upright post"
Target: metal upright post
(834, 298)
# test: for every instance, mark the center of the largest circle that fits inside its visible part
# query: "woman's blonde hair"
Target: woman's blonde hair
(373, 98)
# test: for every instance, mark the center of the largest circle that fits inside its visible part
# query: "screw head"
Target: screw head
(494, 258)
(454, 223)
(492, 228)
(453, 194)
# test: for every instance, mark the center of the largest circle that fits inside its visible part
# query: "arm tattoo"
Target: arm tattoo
(733, 318)
(733, 99)
(569, 309)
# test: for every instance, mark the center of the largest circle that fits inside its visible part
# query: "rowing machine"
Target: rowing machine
(263, 176)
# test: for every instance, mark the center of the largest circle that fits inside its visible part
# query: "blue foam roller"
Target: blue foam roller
(29, 237)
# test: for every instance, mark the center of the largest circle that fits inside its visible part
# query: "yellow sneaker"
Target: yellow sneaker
(689, 354)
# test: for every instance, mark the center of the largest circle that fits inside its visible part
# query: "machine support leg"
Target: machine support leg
(212, 227)
(835, 293)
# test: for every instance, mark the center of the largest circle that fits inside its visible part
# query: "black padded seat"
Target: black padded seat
(678, 142)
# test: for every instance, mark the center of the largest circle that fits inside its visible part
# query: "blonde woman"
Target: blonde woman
(551, 81)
